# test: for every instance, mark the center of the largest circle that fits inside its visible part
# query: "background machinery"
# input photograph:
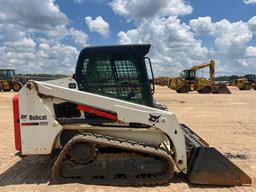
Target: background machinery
(246, 83)
(161, 80)
(104, 127)
(183, 83)
(9, 81)
(189, 81)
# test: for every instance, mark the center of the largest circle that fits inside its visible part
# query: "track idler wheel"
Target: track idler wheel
(82, 152)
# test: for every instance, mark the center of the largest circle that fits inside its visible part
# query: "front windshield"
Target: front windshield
(193, 74)
(188, 74)
(118, 76)
(10, 73)
(6, 74)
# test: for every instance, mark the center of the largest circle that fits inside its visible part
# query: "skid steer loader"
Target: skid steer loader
(101, 133)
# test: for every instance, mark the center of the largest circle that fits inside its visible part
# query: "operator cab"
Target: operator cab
(188, 74)
(7, 74)
(251, 78)
(117, 71)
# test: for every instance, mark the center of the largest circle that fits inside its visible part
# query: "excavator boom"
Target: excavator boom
(211, 66)
(215, 88)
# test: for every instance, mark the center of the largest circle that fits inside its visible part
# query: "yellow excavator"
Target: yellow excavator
(188, 81)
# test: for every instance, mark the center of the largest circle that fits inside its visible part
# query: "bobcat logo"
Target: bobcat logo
(24, 117)
(154, 118)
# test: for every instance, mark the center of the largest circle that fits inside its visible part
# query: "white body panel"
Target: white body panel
(43, 137)
(63, 82)
(36, 139)
(142, 135)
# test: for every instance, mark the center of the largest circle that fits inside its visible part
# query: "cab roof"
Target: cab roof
(141, 49)
(9, 69)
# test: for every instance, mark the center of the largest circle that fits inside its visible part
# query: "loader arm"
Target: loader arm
(125, 111)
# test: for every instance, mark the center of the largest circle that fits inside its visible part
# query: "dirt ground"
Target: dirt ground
(227, 122)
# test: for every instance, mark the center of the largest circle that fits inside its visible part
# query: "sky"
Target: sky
(46, 36)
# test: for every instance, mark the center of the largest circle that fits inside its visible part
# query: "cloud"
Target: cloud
(79, 1)
(251, 51)
(231, 42)
(98, 25)
(82, 1)
(27, 57)
(32, 36)
(60, 32)
(135, 9)
(230, 37)
(11, 33)
(45, 56)
(79, 37)
(17, 54)
(38, 15)
(26, 45)
(252, 24)
(60, 57)
(173, 44)
(202, 25)
(250, 1)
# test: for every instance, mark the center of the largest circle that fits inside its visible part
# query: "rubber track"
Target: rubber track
(155, 179)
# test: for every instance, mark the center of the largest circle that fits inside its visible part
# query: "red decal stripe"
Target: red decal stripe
(29, 124)
(97, 112)
(15, 102)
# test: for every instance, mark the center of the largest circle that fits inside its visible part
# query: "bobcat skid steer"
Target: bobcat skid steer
(107, 129)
